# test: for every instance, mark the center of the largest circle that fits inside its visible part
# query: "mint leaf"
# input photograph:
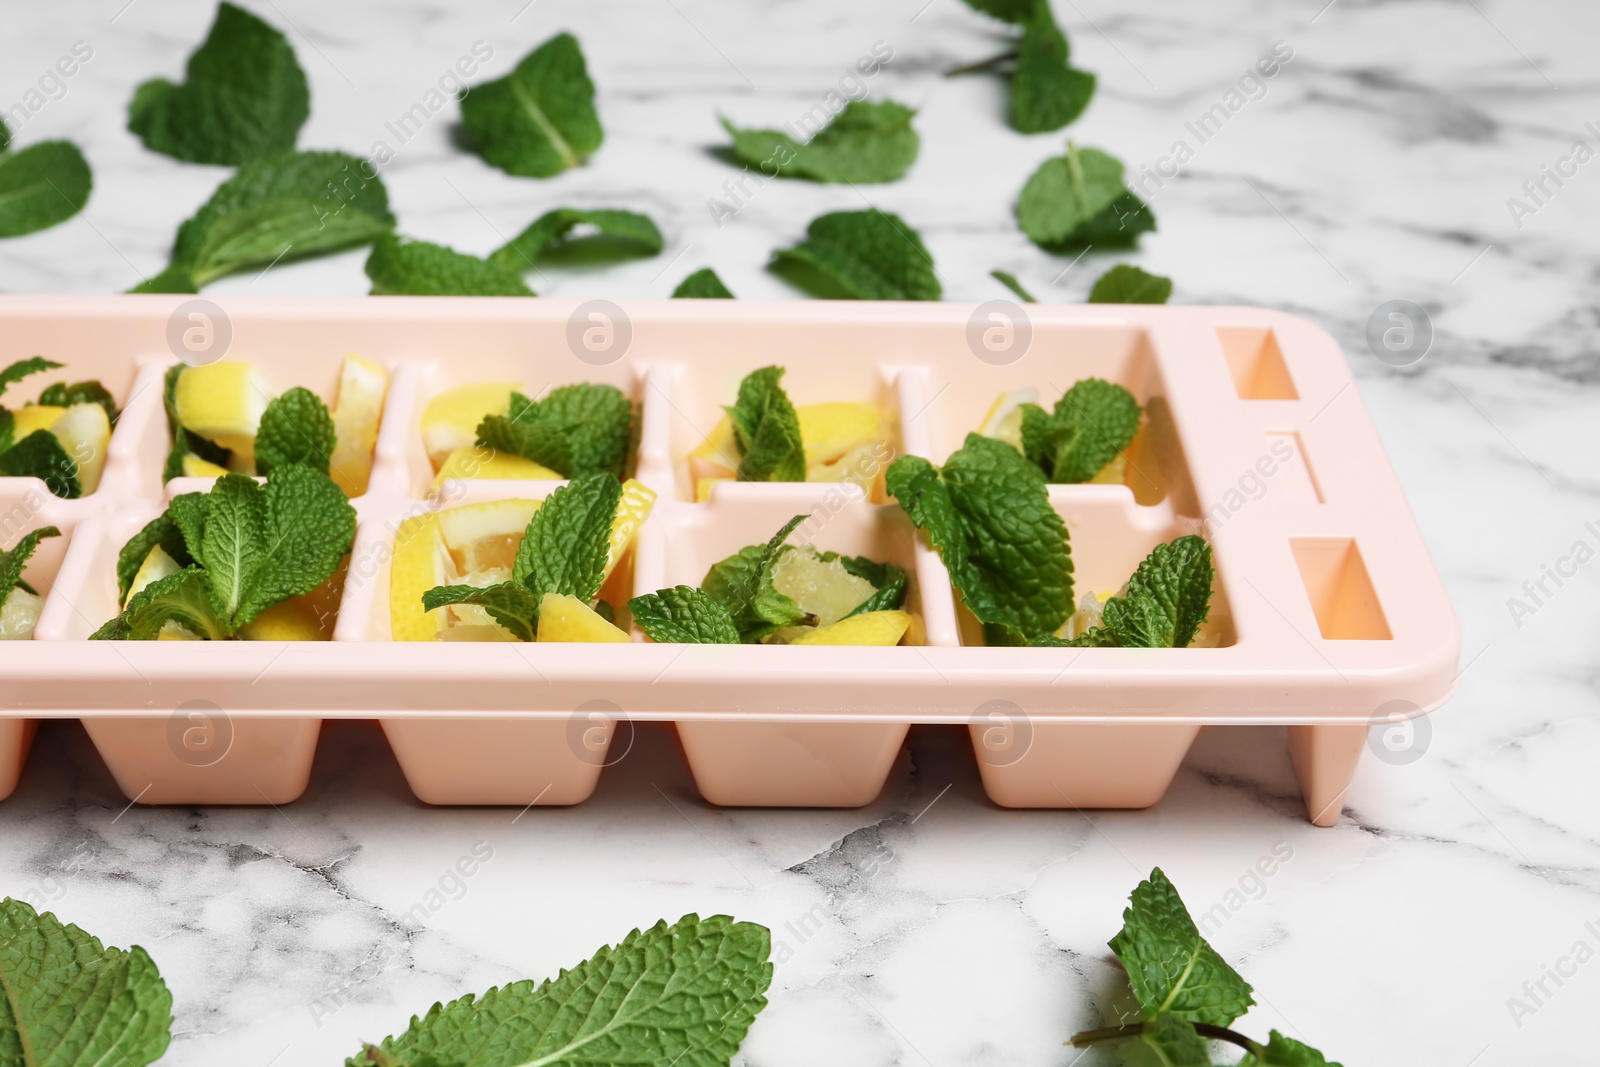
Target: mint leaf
(70, 1000)
(1092, 422)
(1080, 198)
(683, 615)
(1009, 280)
(866, 142)
(160, 532)
(295, 428)
(182, 598)
(767, 430)
(703, 284)
(616, 233)
(188, 513)
(1281, 1051)
(274, 209)
(64, 395)
(1046, 92)
(1171, 967)
(577, 429)
(890, 580)
(507, 603)
(13, 562)
(184, 442)
(742, 584)
(403, 267)
(1127, 284)
(7, 429)
(245, 96)
(5, 136)
(861, 255)
(22, 368)
(40, 455)
(539, 119)
(1014, 11)
(42, 185)
(1175, 1042)
(683, 994)
(233, 541)
(308, 526)
(989, 516)
(565, 547)
(1168, 598)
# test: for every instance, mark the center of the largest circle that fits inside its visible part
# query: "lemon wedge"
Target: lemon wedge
(1004, 420)
(450, 421)
(420, 562)
(19, 615)
(159, 565)
(819, 587)
(632, 509)
(869, 628)
(356, 417)
(566, 618)
(224, 402)
(84, 430)
(828, 431)
(303, 618)
(195, 467)
(26, 420)
(480, 462)
(717, 456)
(482, 539)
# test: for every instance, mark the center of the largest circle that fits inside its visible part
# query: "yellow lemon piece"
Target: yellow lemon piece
(195, 467)
(19, 615)
(450, 421)
(829, 430)
(34, 417)
(421, 561)
(1113, 473)
(1004, 420)
(480, 462)
(871, 628)
(819, 587)
(632, 509)
(156, 565)
(492, 631)
(718, 455)
(223, 402)
(356, 416)
(296, 619)
(84, 431)
(483, 539)
(704, 487)
(566, 618)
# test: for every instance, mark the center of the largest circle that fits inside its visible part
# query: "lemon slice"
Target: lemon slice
(632, 509)
(1113, 473)
(482, 539)
(421, 561)
(19, 615)
(1004, 420)
(566, 618)
(717, 456)
(870, 628)
(450, 421)
(828, 431)
(34, 417)
(84, 430)
(195, 467)
(356, 416)
(155, 566)
(819, 587)
(480, 462)
(224, 402)
(704, 487)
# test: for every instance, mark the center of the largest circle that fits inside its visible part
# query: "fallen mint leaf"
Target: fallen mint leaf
(1080, 198)
(1281, 1051)
(616, 233)
(42, 185)
(861, 255)
(1127, 284)
(865, 143)
(540, 119)
(1171, 967)
(1046, 92)
(1175, 1042)
(1009, 280)
(402, 267)
(703, 284)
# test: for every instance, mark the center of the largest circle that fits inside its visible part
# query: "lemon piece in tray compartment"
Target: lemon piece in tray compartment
(1004, 419)
(869, 628)
(224, 402)
(19, 615)
(195, 467)
(818, 586)
(84, 431)
(356, 417)
(420, 562)
(483, 538)
(159, 565)
(566, 618)
(828, 432)
(482, 462)
(26, 420)
(450, 421)
(632, 509)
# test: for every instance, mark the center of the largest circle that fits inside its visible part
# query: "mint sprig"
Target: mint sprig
(1168, 600)
(41, 185)
(861, 255)
(295, 428)
(1127, 284)
(1078, 200)
(766, 430)
(703, 284)
(1047, 92)
(403, 267)
(1092, 422)
(71, 1000)
(245, 96)
(540, 119)
(575, 430)
(13, 563)
(866, 142)
(684, 615)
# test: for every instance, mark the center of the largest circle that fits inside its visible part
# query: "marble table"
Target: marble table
(1440, 921)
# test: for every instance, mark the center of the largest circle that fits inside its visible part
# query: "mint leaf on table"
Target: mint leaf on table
(1175, 1042)
(1009, 280)
(1091, 423)
(40, 455)
(1047, 93)
(575, 430)
(13, 562)
(22, 368)
(988, 514)
(42, 185)
(565, 547)
(64, 395)
(183, 441)
(182, 598)
(277, 208)
(616, 234)
(245, 96)
(507, 603)
(1281, 1051)
(861, 255)
(1127, 284)
(5, 136)
(683, 994)
(1168, 599)
(703, 284)
(1080, 199)
(766, 429)
(866, 142)
(684, 615)
(540, 119)
(71, 1000)
(1170, 966)
(296, 428)
(403, 267)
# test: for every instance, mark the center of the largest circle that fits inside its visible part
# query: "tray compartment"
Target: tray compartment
(791, 764)
(120, 376)
(1027, 764)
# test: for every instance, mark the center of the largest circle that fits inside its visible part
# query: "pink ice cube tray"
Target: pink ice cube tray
(1327, 613)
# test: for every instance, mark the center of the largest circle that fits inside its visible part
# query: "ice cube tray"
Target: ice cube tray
(1327, 613)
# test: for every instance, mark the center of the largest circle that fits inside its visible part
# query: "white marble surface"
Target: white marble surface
(945, 930)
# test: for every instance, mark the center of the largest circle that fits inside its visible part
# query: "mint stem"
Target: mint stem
(1124, 1033)
(982, 65)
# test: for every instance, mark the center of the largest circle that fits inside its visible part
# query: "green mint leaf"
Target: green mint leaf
(184, 442)
(1171, 967)
(891, 592)
(1080, 199)
(575, 430)
(71, 1000)
(245, 96)
(40, 455)
(703, 284)
(989, 516)
(1127, 284)
(402, 267)
(866, 142)
(308, 527)
(539, 119)
(1046, 92)
(42, 185)
(683, 994)
(5, 136)
(742, 584)
(1017, 12)
(1168, 598)
(1175, 1042)
(296, 428)
(8, 429)
(1009, 280)
(767, 430)
(683, 615)
(274, 209)
(732, 582)
(160, 532)
(13, 562)
(233, 541)
(1281, 1051)
(617, 234)
(507, 603)
(65, 395)
(565, 547)
(182, 598)
(1091, 423)
(23, 368)
(861, 255)
(188, 513)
